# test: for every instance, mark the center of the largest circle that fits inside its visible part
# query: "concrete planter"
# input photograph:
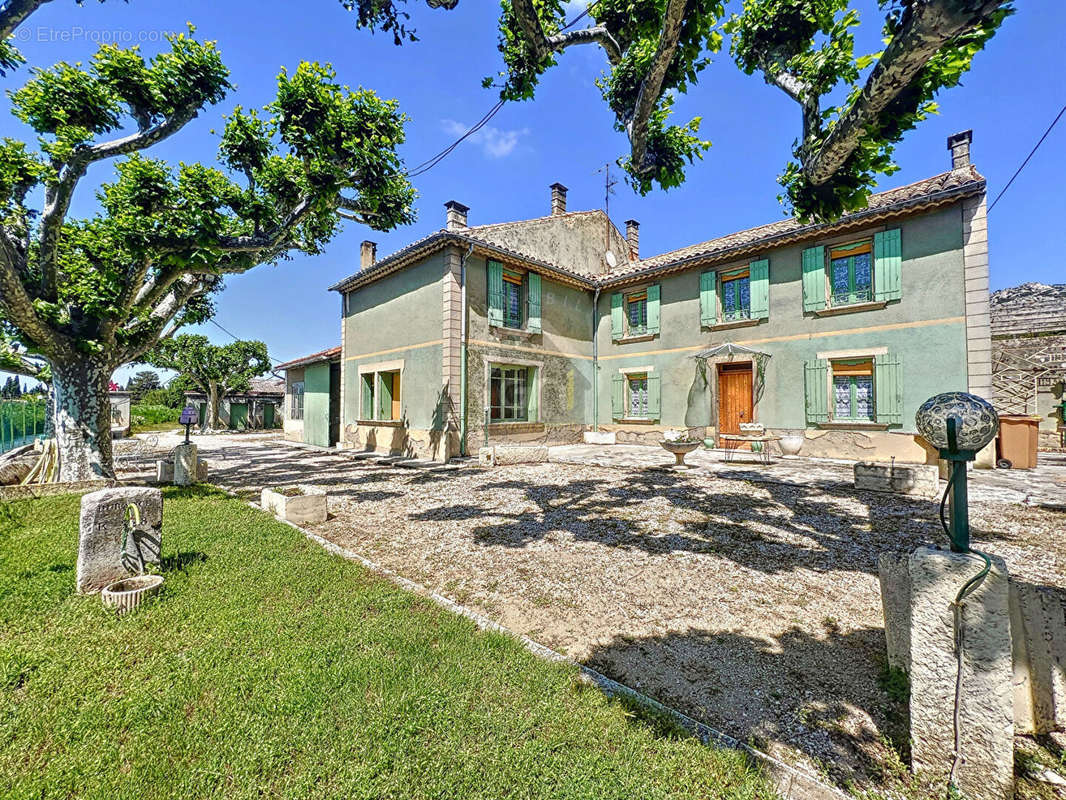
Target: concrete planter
(790, 445)
(305, 508)
(128, 593)
(680, 450)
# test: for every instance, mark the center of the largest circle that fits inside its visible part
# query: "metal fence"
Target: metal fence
(21, 421)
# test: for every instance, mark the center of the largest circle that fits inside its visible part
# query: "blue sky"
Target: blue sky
(1009, 98)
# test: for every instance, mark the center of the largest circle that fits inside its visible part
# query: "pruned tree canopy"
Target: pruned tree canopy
(655, 49)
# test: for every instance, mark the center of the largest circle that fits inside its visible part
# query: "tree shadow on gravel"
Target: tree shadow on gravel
(822, 695)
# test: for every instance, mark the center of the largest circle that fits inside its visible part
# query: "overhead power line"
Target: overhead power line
(1032, 152)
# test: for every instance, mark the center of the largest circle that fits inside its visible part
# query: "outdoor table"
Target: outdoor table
(732, 441)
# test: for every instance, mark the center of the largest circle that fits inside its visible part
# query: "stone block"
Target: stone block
(600, 437)
(913, 479)
(986, 709)
(894, 573)
(185, 464)
(164, 471)
(306, 508)
(1038, 631)
(486, 457)
(102, 558)
(201, 470)
(506, 455)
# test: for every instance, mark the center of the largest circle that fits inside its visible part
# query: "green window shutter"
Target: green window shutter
(708, 299)
(888, 265)
(531, 395)
(888, 389)
(617, 315)
(653, 309)
(367, 411)
(814, 279)
(618, 397)
(384, 395)
(654, 397)
(759, 281)
(533, 302)
(495, 293)
(816, 390)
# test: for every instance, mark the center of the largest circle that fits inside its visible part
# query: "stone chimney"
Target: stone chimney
(456, 215)
(633, 237)
(558, 199)
(959, 145)
(368, 254)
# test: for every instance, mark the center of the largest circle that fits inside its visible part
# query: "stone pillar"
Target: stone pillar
(101, 557)
(1038, 630)
(451, 366)
(185, 464)
(986, 723)
(894, 572)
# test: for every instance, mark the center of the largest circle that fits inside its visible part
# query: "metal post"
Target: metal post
(960, 517)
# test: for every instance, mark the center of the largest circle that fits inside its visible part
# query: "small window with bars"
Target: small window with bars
(637, 313)
(853, 390)
(736, 295)
(637, 396)
(296, 400)
(851, 273)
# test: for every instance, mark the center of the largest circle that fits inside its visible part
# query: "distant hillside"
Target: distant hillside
(1032, 308)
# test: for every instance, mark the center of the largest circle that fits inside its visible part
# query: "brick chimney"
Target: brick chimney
(959, 145)
(456, 215)
(368, 254)
(558, 199)
(633, 237)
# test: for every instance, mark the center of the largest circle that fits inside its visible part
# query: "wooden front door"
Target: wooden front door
(734, 396)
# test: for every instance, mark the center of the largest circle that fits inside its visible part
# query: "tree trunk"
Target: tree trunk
(83, 419)
(214, 422)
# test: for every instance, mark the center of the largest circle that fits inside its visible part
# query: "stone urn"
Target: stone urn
(128, 593)
(790, 445)
(680, 449)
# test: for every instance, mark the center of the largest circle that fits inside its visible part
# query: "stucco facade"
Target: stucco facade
(523, 332)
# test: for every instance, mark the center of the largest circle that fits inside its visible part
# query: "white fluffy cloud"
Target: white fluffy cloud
(494, 142)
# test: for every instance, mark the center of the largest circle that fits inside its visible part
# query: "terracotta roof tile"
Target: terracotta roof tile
(322, 355)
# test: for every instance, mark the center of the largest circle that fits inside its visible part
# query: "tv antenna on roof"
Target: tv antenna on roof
(608, 190)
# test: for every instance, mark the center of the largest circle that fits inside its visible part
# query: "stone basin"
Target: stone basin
(128, 593)
(680, 450)
(300, 505)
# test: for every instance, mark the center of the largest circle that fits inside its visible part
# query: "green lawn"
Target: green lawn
(272, 669)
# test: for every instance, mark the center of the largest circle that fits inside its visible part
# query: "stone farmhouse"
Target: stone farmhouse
(540, 330)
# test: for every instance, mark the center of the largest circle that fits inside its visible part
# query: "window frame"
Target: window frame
(514, 282)
(296, 400)
(528, 401)
(849, 250)
(371, 374)
(630, 378)
(861, 367)
(729, 276)
(631, 298)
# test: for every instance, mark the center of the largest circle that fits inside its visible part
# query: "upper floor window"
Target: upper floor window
(854, 273)
(851, 273)
(296, 400)
(635, 313)
(735, 295)
(513, 298)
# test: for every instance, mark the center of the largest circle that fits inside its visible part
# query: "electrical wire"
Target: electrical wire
(1032, 152)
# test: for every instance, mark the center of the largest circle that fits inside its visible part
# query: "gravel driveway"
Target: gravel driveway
(753, 606)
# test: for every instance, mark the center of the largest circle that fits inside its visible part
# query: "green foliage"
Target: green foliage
(141, 383)
(201, 363)
(144, 414)
(271, 668)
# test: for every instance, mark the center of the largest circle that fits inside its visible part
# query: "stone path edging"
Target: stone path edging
(791, 783)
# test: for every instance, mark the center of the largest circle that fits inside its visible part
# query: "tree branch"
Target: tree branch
(147, 333)
(929, 26)
(17, 307)
(14, 14)
(651, 86)
(528, 20)
(58, 195)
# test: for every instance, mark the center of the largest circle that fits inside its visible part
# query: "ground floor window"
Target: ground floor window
(381, 395)
(637, 391)
(511, 393)
(853, 390)
(635, 396)
(296, 400)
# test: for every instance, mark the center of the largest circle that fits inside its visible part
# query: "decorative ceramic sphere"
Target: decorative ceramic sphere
(976, 421)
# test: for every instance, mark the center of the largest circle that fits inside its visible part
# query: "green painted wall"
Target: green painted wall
(399, 317)
(934, 356)
(316, 404)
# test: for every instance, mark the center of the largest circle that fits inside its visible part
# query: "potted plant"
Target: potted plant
(298, 504)
(680, 446)
(790, 444)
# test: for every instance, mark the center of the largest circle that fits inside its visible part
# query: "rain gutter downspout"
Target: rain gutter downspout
(596, 360)
(462, 351)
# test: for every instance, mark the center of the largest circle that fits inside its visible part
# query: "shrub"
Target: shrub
(144, 414)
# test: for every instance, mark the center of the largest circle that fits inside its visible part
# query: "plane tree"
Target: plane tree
(80, 296)
(216, 370)
(656, 49)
